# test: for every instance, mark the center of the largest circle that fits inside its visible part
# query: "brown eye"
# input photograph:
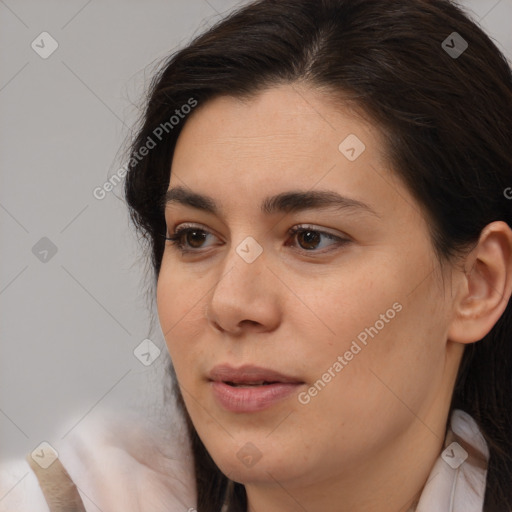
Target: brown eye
(194, 237)
(308, 239)
(188, 239)
(313, 240)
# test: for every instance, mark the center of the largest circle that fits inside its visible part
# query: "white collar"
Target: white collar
(458, 478)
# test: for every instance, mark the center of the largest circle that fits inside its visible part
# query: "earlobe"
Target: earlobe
(486, 285)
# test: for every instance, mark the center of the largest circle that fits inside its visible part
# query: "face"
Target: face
(346, 316)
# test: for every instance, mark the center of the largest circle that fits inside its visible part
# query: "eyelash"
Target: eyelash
(175, 238)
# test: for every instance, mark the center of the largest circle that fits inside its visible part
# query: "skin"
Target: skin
(367, 441)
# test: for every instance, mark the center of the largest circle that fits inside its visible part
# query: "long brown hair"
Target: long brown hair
(447, 120)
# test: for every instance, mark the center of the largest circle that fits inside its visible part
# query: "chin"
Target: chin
(255, 462)
(261, 472)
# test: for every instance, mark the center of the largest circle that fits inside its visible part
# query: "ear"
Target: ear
(485, 287)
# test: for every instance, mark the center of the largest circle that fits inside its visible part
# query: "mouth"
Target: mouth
(249, 384)
(249, 375)
(250, 388)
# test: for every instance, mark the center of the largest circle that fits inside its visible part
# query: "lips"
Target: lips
(249, 376)
(250, 388)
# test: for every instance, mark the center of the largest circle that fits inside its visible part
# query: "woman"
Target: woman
(322, 186)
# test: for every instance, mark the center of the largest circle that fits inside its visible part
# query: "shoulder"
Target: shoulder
(117, 462)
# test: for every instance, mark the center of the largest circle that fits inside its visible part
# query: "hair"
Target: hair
(447, 128)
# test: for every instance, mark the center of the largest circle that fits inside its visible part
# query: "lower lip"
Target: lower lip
(251, 399)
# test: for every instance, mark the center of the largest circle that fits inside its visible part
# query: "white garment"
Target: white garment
(119, 463)
(131, 466)
(462, 488)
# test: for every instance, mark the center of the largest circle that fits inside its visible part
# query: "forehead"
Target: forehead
(284, 117)
(283, 128)
(284, 138)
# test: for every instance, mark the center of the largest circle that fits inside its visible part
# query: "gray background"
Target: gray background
(69, 325)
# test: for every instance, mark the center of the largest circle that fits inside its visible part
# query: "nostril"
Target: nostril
(250, 322)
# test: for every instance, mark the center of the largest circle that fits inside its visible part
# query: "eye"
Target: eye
(190, 239)
(310, 238)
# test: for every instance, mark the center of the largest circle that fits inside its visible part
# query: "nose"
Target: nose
(245, 297)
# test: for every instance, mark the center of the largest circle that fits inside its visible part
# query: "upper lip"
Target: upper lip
(248, 374)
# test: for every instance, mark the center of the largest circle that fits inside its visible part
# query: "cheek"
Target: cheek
(177, 300)
(357, 306)
(381, 387)
(180, 314)
(375, 345)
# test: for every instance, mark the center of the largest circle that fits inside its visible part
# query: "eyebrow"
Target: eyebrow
(285, 202)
